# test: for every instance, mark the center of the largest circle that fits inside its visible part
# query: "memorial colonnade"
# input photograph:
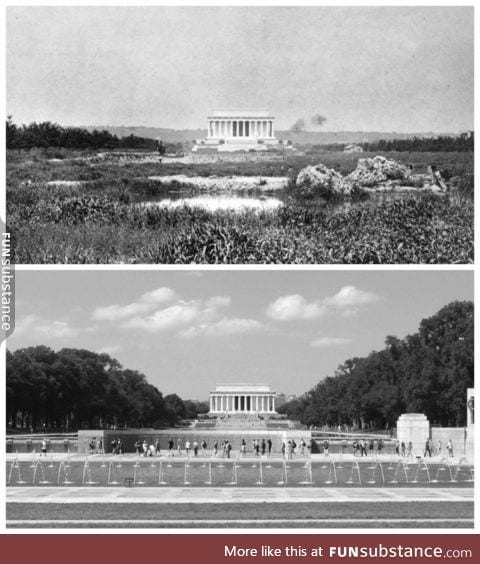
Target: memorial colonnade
(240, 128)
(242, 403)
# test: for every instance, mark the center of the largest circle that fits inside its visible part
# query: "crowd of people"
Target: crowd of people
(264, 447)
(258, 447)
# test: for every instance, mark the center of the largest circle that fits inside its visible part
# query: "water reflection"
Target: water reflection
(254, 200)
(219, 203)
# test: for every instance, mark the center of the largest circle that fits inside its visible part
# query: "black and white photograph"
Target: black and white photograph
(241, 400)
(240, 134)
(238, 282)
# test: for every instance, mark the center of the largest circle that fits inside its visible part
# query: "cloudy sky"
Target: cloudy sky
(187, 331)
(406, 69)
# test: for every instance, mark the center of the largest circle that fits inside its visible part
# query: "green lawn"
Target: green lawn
(229, 515)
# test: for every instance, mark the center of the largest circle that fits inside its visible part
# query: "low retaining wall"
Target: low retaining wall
(462, 440)
(35, 444)
(130, 436)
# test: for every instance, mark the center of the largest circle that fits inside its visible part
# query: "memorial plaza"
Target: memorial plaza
(180, 487)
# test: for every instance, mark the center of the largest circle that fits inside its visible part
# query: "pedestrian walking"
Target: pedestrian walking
(450, 448)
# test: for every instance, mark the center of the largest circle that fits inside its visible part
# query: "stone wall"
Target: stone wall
(130, 436)
(462, 442)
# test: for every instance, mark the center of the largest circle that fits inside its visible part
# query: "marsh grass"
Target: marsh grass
(94, 230)
(97, 222)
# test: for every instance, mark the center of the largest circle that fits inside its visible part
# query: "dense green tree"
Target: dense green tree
(74, 388)
(47, 134)
(428, 372)
(175, 408)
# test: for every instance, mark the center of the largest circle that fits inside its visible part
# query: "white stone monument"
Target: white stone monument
(230, 399)
(414, 427)
(238, 130)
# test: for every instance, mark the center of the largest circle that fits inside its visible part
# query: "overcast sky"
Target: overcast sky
(366, 68)
(187, 331)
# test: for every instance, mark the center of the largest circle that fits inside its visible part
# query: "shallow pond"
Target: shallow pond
(234, 203)
(240, 201)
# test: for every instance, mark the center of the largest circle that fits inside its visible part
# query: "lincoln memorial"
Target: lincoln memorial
(242, 398)
(239, 130)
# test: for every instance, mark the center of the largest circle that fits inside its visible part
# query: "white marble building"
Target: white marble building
(242, 398)
(239, 130)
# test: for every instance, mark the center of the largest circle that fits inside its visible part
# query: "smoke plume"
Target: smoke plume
(318, 119)
(298, 126)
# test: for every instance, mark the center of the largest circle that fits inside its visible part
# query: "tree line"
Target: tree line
(78, 389)
(47, 134)
(446, 143)
(427, 372)
(450, 144)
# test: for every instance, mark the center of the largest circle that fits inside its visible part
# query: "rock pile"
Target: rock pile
(319, 180)
(376, 174)
(372, 172)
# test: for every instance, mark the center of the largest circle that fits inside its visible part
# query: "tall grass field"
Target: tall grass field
(93, 215)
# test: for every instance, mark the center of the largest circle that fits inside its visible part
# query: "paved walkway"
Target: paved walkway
(161, 494)
(275, 457)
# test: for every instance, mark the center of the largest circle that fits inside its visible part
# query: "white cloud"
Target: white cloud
(37, 328)
(172, 317)
(57, 330)
(329, 342)
(189, 318)
(350, 296)
(23, 324)
(116, 312)
(147, 302)
(160, 295)
(222, 328)
(294, 306)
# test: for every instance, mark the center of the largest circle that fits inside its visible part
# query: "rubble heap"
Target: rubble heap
(372, 172)
(319, 180)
